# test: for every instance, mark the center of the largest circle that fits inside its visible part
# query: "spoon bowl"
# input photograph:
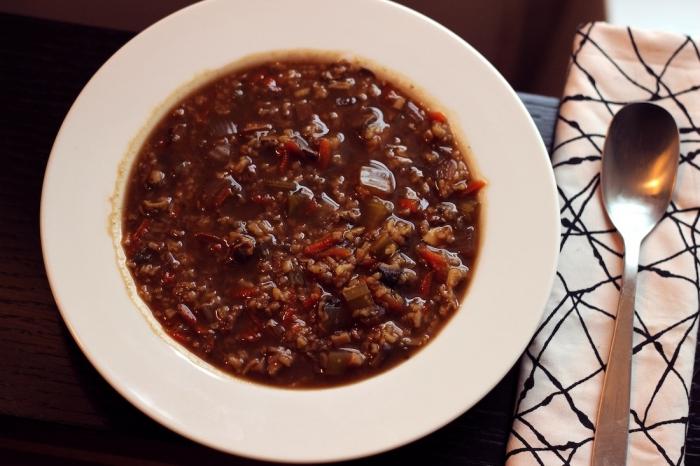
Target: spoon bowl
(639, 167)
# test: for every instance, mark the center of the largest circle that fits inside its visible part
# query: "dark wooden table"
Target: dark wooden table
(54, 407)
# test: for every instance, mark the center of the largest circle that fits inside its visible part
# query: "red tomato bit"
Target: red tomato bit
(474, 186)
(412, 205)
(324, 152)
(437, 116)
(426, 284)
(434, 259)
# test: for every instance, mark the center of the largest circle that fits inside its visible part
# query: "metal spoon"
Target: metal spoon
(640, 160)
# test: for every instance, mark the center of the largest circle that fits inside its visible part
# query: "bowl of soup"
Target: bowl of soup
(300, 237)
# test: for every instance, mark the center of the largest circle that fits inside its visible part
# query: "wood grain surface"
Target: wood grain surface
(54, 407)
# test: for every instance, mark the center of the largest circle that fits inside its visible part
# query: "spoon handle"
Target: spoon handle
(612, 425)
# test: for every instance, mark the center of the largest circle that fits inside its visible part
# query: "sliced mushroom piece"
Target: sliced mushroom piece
(390, 273)
(242, 246)
(334, 316)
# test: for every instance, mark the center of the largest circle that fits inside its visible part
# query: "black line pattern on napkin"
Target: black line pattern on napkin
(577, 303)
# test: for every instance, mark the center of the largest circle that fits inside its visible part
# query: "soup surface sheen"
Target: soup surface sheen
(301, 223)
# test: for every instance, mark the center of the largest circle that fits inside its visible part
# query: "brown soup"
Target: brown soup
(301, 223)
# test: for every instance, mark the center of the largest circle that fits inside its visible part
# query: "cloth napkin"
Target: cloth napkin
(562, 371)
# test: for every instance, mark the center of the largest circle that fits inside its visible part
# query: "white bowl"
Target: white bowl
(477, 347)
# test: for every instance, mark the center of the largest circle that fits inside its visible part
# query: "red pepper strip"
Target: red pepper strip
(324, 152)
(283, 153)
(187, 315)
(474, 186)
(434, 259)
(426, 284)
(411, 205)
(320, 245)
(221, 196)
(437, 116)
(140, 231)
(337, 252)
(243, 293)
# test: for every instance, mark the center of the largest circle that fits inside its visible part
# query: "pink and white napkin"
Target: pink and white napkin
(562, 370)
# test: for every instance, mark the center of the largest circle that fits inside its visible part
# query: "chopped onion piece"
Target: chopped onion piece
(329, 202)
(223, 128)
(378, 177)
